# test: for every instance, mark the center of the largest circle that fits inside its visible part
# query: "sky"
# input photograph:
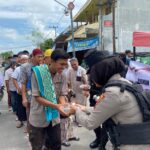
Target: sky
(20, 18)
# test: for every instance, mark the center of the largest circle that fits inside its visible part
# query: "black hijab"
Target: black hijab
(102, 71)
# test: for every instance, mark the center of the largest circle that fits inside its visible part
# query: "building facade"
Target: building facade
(130, 16)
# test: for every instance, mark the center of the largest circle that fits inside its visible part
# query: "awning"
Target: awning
(141, 39)
(80, 45)
(90, 10)
(79, 33)
(84, 30)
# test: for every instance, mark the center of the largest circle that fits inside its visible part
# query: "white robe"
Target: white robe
(75, 85)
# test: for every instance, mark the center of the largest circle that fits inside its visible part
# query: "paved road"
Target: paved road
(12, 138)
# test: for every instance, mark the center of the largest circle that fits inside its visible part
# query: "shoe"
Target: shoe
(94, 144)
(79, 125)
(66, 144)
(74, 139)
(19, 124)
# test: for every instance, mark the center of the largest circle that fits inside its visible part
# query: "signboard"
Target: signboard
(138, 72)
(108, 23)
(71, 6)
(83, 44)
(141, 39)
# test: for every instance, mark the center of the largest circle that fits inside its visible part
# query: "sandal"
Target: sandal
(66, 144)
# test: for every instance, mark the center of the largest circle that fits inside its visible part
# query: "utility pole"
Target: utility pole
(70, 7)
(113, 25)
(54, 27)
(101, 43)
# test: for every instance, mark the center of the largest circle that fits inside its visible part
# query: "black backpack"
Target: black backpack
(142, 96)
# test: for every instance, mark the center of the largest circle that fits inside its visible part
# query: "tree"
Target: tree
(48, 43)
(40, 40)
(5, 55)
(37, 37)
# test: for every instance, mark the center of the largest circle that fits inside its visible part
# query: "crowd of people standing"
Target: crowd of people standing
(46, 90)
(23, 78)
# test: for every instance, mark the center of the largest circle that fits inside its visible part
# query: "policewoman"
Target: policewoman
(121, 107)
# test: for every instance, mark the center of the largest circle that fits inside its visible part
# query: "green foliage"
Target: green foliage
(5, 55)
(48, 43)
(36, 37)
(144, 60)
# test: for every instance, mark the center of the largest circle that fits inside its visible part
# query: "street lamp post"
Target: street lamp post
(54, 27)
(101, 42)
(113, 25)
(70, 8)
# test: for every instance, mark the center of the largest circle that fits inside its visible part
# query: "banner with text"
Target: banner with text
(138, 72)
(80, 45)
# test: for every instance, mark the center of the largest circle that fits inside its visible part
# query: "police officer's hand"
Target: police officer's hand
(83, 108)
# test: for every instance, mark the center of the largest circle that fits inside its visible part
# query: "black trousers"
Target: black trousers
(49, 137)
(21, 110)
(98, 133)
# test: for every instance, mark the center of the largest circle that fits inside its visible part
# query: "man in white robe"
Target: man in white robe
(76, 77)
